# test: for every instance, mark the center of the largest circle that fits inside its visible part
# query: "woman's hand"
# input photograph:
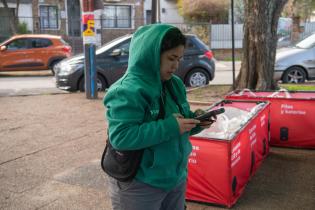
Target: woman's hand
(185, 125)
(207, 123)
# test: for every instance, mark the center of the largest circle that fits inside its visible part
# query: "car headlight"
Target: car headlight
(66, 69)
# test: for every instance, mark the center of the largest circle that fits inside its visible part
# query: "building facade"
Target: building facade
(25, 16)
(168, 12)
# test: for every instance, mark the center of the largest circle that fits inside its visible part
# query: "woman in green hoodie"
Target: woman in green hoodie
(147, 109)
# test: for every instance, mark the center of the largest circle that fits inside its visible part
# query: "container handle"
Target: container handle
(276, 94)
(247, 90)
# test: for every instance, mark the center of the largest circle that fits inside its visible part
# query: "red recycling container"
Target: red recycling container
(227, 154)
(291, 115)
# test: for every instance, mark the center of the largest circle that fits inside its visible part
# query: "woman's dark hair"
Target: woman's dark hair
(172, 39)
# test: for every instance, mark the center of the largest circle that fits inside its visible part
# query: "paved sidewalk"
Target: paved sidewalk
(51, 146)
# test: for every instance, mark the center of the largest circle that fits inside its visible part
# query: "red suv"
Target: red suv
(32, 52)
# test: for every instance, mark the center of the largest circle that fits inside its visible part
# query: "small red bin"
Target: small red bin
(220, 166)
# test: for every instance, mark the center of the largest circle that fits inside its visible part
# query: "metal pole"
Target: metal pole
(89, 40)
(155, 11)
(233, 43)
(158, 14)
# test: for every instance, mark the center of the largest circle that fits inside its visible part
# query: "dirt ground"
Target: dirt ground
(51, 146)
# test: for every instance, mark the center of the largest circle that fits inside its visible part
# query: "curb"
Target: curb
(37, 73)
(31, 92)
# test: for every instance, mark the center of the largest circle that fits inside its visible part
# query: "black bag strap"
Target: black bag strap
(174, 97)
(170, 88)
(162, 99)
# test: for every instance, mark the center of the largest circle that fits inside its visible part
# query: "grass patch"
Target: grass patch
(295, 87)
(298, 87)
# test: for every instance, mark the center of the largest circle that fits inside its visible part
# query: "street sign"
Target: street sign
(88, 28)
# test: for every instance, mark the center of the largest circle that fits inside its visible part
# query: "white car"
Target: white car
(296, 64)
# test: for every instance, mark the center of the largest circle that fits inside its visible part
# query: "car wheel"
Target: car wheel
(294, 75)
(197, 78)
(101, 84)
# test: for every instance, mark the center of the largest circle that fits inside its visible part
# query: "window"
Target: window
(117, 16)
(189, 44)
(18, 44)
(40, 43)
(48, 17)
(124, 48)
(149, 16)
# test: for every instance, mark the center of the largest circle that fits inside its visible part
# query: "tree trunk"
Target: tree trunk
(12, 17)
(259, 44)
(16, 15)
(17, 8)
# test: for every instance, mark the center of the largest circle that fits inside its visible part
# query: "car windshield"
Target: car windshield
(112, 44)
(2, 43)
(307, 42)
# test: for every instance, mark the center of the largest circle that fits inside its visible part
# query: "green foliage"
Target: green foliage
(179, 4)
(204, 10)
(200, 30)
(239, 11)
(22, 28)
(301, 8)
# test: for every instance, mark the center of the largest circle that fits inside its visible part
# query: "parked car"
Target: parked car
(197, 67)
(296, 64)
(32, 52)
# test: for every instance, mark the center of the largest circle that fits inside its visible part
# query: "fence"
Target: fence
(309, 28)
(221, 36)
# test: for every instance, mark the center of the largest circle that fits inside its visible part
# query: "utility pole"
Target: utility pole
(233, 43)
(155, 11)
(90, 41)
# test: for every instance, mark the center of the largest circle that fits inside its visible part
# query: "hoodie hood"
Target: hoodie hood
(143, 73)
(145, 47)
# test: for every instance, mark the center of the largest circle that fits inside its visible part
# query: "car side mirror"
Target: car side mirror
(116, 52)
(3, 48)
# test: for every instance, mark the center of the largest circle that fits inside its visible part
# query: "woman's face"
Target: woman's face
(169, 61)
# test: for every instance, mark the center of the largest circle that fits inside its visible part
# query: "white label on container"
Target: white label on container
(288, 109)
(193, 155)
(236, 154)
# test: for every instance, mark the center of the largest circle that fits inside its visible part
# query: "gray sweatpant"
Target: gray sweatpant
(135, 195)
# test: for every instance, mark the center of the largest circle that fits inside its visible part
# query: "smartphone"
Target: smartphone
(212, 113)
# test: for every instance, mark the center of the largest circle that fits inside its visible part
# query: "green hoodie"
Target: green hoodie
(133, 106)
